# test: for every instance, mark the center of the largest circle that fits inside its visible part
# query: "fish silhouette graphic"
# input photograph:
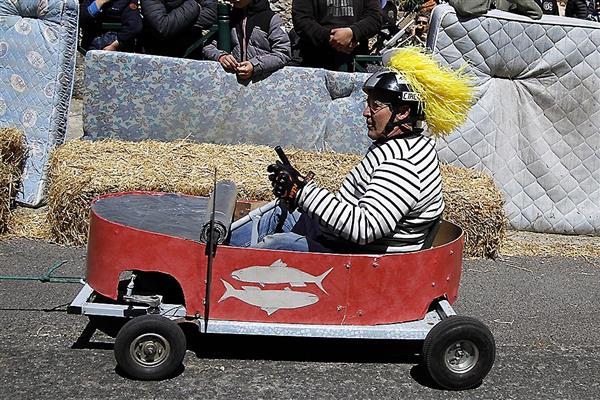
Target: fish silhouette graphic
(269, 300)
(279, 272)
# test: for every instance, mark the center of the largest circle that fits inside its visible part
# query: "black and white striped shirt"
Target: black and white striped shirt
(388, 202)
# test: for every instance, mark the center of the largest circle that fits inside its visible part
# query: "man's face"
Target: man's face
(377, 113)
(421, 26)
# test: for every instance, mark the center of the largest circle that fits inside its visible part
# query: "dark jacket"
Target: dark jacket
(264, 43)
(476, 8)
(581, 9)
(549, 7)
(171, 26)
(313, 21)
(124, 12)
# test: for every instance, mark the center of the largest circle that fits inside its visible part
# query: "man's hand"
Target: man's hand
(245, 70)
(114, 46)
(101, 3)
(341, 39)
(228, 62)
(287, 181)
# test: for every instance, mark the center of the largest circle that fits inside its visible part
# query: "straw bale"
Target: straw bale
(28, 223)
(81, 170)
(474, 202)
(534, 244)
(12, 155)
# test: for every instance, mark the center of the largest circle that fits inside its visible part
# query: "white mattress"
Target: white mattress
(536, 124)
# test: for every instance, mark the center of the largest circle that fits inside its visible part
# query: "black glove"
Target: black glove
(287, 181)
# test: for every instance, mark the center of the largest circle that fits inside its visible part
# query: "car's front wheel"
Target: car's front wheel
(150, 347)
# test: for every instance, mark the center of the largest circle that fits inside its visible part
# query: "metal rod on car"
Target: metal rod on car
(210, 252)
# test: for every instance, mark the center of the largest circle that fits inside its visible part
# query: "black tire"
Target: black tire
(150, 347)
(459, 352)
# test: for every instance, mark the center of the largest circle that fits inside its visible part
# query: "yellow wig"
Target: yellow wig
(446, 95)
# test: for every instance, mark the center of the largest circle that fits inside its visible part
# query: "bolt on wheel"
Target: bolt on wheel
(461, 356)
(150, 349)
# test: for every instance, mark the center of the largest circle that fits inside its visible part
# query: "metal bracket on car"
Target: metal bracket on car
(153, 301)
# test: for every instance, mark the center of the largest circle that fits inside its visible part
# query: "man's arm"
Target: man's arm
(131, 22)
(168, 24)
(570, 9)
(89, 10)
(523, 7)
(392, 192)
(369, 21)
(208, 14)
(305, 22)
(281, 50)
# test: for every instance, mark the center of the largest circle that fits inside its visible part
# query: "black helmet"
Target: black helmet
(398, 93)
(390, 83)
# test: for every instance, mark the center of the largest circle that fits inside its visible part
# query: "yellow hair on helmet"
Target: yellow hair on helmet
(446, 94)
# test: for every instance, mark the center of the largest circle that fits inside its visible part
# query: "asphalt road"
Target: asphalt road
(543, 313)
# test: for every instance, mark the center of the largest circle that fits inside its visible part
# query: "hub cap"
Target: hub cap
(460, 357)
(149, 349)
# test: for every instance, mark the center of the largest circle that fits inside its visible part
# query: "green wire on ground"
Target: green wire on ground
(47, 277)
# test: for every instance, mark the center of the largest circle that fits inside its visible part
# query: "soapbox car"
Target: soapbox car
(158, 259)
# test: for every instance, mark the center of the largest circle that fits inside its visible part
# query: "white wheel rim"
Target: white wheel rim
(461, 356)
(149, 349)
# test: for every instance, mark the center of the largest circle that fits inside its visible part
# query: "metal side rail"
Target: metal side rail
(414, 330)
(83, 305)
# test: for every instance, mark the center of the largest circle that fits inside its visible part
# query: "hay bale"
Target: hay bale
(81, 170)
(12, 156)
(474, 202)
(29, 223)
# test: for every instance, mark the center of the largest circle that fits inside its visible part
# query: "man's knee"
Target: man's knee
(284, 241)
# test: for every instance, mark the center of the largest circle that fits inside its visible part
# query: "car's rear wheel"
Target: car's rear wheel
(459, 352)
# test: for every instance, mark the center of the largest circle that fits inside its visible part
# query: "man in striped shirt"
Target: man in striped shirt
(389, 202)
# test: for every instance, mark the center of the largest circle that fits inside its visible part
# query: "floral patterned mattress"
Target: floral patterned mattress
(38, 40)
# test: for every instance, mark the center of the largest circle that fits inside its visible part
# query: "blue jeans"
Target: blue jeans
(260, 233)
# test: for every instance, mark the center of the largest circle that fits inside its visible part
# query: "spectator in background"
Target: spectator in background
(583, 9)
(389, 23)
(93, 13)
(172, 26)
(416, 35)
(549, 7)
(260, 44)
(331, 32)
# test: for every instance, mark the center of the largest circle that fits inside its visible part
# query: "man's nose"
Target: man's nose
(366, 111)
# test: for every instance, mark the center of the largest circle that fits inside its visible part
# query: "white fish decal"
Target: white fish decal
(269, 300)
(279, 272)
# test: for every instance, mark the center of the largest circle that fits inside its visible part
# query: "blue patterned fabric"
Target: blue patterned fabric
(38, 40)
(137, 97)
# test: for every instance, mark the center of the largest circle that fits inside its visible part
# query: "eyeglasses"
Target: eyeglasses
(376, 105)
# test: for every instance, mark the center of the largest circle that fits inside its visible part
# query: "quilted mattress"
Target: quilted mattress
(38, 40)
(164, 98)
(536, 124)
